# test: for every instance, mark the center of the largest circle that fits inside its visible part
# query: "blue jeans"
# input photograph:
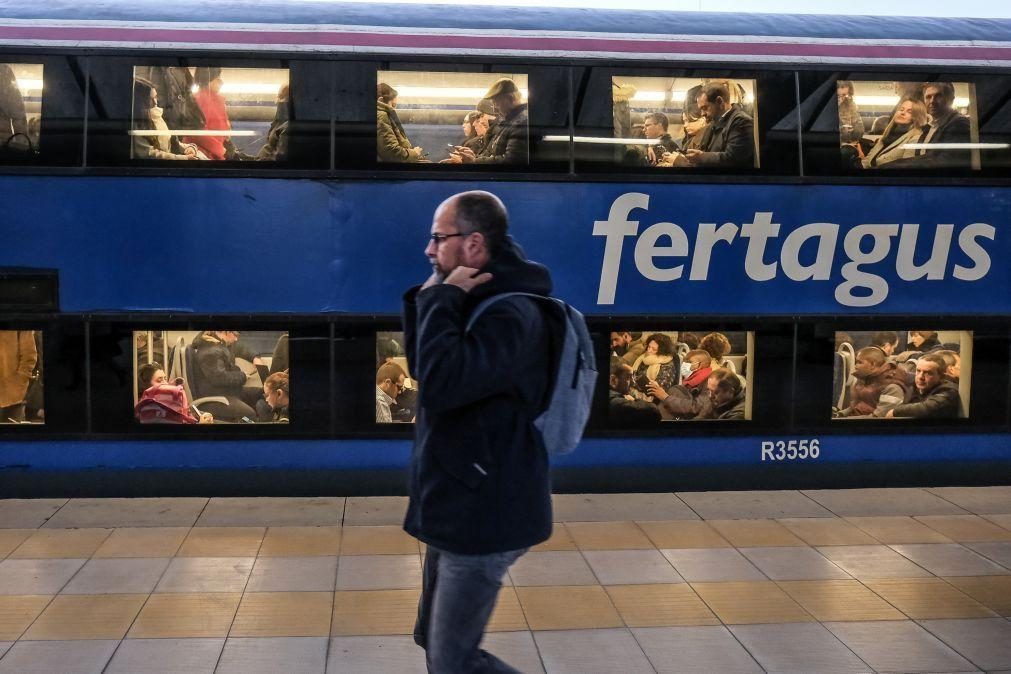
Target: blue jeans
(457, 597)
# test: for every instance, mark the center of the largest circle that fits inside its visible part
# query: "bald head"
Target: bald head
(478, 211)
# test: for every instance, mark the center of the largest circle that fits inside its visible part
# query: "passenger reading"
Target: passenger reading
(678, 376)
(918, 374)
(396, 390)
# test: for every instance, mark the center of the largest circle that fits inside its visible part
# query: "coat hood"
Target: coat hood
(512, 272)
(205, 338)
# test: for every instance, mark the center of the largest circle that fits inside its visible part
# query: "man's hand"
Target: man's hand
(467, 278)
(465, 154)
(890, 414)
(694, 156)
(655, 390)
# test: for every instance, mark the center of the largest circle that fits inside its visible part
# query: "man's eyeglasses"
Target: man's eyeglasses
(439, 238)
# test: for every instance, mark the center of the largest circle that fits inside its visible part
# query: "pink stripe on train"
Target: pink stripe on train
(497, 43)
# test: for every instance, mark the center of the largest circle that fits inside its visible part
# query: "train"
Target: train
(251, 187)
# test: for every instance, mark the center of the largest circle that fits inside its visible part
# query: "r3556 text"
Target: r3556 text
(790, 450)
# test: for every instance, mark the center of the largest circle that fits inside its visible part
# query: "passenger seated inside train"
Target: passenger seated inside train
(716, 128)
(658, 365)
(390, 381)
(690, 398)
(475, 130)
(147, 117)
(666, 372)
(909, 125)
(933, 395)
(726, 395)
(276, 392)
(234, 114)
(877, 372)
(19, 114)
(878, 385)
(419, 118)
(391, 139)
(624, 409)
(509, 144)
(851, 125)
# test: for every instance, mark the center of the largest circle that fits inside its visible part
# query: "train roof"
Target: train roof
(384, 28)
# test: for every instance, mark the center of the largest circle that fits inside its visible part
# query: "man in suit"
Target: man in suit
(729, 138)
(946, 126)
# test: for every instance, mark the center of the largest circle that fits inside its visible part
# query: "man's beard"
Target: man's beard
(440, 276)
(620, 349)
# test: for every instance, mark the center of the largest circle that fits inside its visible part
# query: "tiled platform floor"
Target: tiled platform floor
(885, 580)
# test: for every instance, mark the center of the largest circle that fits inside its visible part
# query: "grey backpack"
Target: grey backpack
(562, 422)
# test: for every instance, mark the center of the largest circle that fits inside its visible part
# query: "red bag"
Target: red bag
(164, 404)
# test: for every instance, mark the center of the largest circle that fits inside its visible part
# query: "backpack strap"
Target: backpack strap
(480, 309)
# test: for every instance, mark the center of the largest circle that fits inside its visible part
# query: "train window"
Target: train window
(452, 118)
(211, 376)
(20, 109)
(396, 390)
(685, 122)
(892, 374)
(210, 113)
(650, 121)
(908, 125)
(21, 382)
(679, 376)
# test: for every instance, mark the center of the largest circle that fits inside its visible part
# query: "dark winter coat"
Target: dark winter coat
(391, 139)
(732, 409)
(217, 374)
(941, 402)
(508, 141)
(730, 141)
(479, 476)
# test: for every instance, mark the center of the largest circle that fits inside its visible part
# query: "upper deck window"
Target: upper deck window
(452, 118)
(909, 125)
(684, 123)
(209, 113)
(20, 109)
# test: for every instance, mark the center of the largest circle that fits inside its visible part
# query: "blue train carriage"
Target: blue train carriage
(787, 233)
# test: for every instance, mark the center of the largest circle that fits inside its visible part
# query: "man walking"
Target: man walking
(480, 487)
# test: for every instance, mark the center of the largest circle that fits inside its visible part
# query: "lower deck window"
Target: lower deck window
(211, 377)
(902, 374)
(21, 383)
(685, 375)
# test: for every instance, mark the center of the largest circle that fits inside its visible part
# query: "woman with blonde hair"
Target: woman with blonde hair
(906, 126)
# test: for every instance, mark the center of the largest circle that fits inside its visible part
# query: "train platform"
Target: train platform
(865, 580)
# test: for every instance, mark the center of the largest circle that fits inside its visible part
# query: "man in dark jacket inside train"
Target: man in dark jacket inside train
(729, 137)
(726, 395)
(934, 396)
(507, 142)
(480, 488)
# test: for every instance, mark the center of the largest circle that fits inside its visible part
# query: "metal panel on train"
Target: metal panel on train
(266, 246)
